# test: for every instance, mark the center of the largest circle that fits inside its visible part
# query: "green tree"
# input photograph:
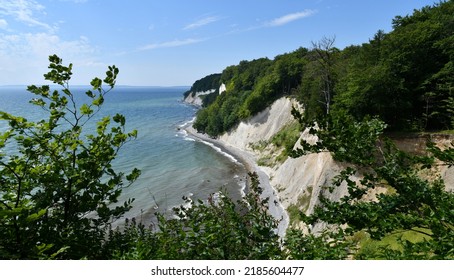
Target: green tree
(404, 77)
(57, 183)
(289, 69)
(319, 78)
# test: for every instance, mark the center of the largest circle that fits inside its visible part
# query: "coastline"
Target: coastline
(275, 208)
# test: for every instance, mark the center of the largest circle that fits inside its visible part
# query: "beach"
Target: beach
(244, 157)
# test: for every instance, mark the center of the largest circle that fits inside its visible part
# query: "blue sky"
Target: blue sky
(174, 43)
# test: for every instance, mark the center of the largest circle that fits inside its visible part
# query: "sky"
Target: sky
(175, 43)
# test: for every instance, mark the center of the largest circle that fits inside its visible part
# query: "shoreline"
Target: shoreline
(275, 208)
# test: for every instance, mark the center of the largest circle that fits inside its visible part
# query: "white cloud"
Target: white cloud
(171, 44)
(29, 45)
(3, 24)
(283, 20)
(24, 11)
(290, 17)
(201, 22)
(43, 44)
(24, 57)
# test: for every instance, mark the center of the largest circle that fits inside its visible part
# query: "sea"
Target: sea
(173, 164)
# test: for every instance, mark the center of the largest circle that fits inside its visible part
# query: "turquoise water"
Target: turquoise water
(172, 164)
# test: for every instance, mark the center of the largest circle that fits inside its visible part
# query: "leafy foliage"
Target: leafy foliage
(349, 140)
(58, 184)
(404, 77)
(216, 229)
(328, 245)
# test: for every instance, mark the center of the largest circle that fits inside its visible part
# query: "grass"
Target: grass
(259, 146)
(287, 136)
(265, 161)
(301, 205)
(285, 139)
(278, 148)
(369, 247)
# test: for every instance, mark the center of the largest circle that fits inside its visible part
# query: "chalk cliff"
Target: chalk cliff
(196, 98)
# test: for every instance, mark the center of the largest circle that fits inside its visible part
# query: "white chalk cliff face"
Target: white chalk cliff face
(222, 88)
(197, 98)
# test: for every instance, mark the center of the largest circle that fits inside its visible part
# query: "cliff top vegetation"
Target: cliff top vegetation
(404, 77)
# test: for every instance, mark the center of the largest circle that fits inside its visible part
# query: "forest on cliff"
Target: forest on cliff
(404, 77)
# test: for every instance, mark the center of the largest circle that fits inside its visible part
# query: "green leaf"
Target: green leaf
(90, 94)
(96, 83)
(118, 118)
(86, 110)
(98, 101)
(35, 216)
